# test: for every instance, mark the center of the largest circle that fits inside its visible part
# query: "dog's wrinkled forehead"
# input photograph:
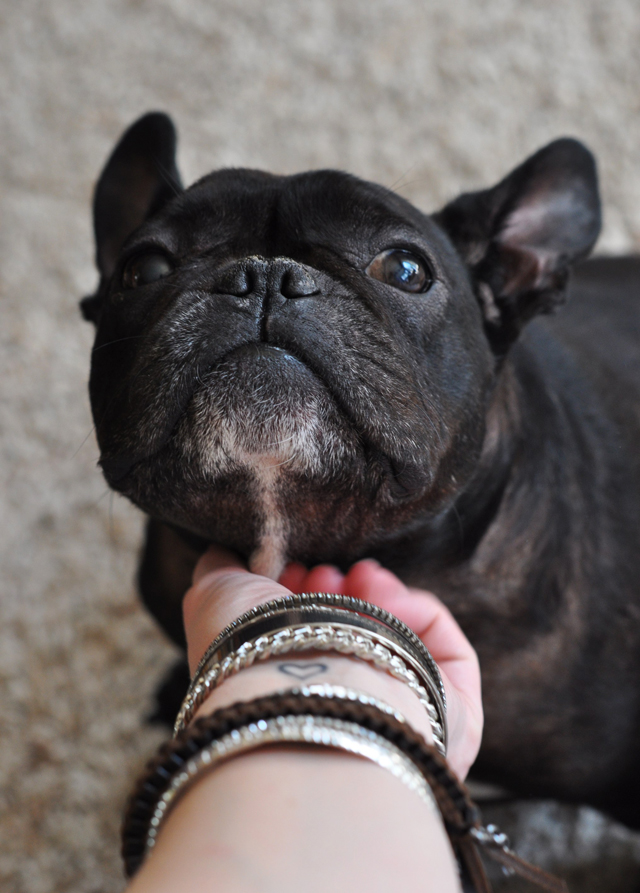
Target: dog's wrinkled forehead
(243, 212)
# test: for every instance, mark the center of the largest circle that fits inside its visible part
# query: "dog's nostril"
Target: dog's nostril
(298, 283)
(234, 282)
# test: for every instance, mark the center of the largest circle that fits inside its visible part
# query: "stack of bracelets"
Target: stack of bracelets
(321, 715)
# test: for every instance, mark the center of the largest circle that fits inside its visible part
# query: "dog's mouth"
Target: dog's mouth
(257, 388)
(263, 405)
(273, 402)
(269, 354)
(260, 448)
(261, 382)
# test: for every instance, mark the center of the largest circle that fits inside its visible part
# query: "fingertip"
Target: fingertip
(369, 578)
(214, 559)
(292, 576)
(367, 562)
(323, 578)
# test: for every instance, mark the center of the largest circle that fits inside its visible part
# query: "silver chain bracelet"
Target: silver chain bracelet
(389, 657)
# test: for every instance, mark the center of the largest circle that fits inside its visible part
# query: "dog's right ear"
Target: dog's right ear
(138, 179)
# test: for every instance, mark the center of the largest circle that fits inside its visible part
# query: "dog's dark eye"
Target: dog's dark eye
(146, 268)
(402, 270)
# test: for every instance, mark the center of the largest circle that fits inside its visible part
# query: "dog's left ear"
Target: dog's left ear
(520, 238)
(138, 179)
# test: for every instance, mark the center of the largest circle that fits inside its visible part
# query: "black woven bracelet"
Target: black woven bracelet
(459, 813)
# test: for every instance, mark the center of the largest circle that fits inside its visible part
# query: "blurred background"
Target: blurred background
(429, 97)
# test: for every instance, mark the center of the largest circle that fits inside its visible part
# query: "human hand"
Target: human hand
(223, 589)
(433, 623)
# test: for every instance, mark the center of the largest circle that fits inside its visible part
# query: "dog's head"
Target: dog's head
(301, 366)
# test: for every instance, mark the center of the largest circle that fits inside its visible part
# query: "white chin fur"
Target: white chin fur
(269, 559)
(235, 425)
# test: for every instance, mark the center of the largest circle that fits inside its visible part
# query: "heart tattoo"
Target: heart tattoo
(302, 670)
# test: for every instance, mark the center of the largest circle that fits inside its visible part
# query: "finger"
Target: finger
(439, 630)
(292, 576)
(221, 594)
(421, 611)
(214, 559)
(372, 583)
(323, 578)
(436, 627)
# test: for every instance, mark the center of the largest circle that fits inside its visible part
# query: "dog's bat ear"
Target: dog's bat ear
(520, 238)
(138, 179)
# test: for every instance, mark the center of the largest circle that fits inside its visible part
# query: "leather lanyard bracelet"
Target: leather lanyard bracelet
(309, 716)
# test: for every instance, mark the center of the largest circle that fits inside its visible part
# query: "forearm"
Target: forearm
(300, 819)
(303, 818)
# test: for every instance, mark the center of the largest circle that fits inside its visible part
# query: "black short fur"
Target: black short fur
(495, 464)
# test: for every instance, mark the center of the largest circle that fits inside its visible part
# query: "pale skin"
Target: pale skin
(294, 818)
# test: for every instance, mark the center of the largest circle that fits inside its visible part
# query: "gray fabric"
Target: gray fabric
(428, 97)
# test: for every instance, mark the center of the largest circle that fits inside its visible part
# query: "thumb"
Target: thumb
(222, 590)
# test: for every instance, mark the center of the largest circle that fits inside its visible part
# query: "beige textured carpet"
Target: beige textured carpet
(430, 95)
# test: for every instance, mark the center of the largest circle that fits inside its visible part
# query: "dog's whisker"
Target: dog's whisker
(279, 443)
(460, 524)
(417, 182)
(111, 523)
(397, 183)
(168, 178)
(285, 461)
(85, 439)
(108, 492)
(116, 341)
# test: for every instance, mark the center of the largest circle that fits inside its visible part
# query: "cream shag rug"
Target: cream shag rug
(429, 97)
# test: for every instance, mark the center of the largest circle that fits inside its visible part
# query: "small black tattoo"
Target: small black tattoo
(302, 670)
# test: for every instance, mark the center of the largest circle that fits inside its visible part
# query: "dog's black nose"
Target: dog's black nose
(236, 280)
(296, 281)
(279, 277)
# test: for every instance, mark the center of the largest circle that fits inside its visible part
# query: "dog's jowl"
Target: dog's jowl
(308, 368)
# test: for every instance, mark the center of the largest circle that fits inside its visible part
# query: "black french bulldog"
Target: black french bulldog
(307, 367)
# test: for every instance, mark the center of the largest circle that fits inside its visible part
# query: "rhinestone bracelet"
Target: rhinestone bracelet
(344, 639)
(326, 732)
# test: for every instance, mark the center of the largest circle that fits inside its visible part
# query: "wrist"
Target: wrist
(292, 672)
(312, 623)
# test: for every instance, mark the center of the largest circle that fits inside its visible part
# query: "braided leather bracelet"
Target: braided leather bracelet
(459, 813)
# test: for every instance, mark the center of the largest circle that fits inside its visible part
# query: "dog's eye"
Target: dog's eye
(402, 270)
(146, 268)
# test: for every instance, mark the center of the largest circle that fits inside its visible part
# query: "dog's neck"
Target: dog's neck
(270, 555)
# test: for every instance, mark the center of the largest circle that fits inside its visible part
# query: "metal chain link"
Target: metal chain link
(321, 637)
